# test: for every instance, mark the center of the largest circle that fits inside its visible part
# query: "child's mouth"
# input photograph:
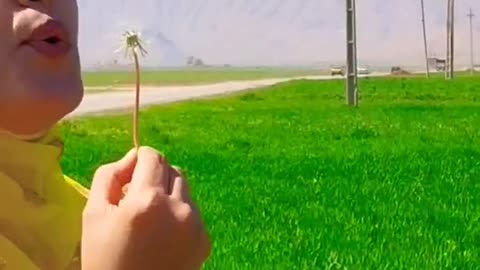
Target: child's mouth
(50, 40)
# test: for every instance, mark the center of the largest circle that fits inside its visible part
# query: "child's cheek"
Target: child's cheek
(7, 49)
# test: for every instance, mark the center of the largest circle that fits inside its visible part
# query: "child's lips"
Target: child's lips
(57, 50)
(49, 39)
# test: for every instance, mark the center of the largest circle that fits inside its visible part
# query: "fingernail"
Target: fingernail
(178, 169)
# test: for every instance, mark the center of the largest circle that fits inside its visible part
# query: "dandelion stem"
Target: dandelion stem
(134, 46)
(137, 100)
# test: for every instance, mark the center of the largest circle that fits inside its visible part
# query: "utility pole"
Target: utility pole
(355, 49)
(472, 64)
(450, 63)
(425, 38)
(351, 91)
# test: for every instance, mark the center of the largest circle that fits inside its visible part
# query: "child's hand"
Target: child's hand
(154, 226)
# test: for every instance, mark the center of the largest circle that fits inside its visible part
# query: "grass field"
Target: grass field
(190, 76)
(290, 178)
(437, 75)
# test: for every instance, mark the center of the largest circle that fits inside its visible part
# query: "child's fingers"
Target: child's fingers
(151, 172)
(109, 179)
(179, 187)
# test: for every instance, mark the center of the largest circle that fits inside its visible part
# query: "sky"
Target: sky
(272, 32)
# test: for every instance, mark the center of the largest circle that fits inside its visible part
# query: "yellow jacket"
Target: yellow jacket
(40, 209)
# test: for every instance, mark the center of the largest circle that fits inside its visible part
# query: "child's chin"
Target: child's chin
(35, 119)
(26, 137)
(37, 110)
(67, 90)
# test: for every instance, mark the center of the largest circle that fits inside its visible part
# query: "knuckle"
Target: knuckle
(185, 215)
(151, 154)
(143, 149)
(104, 170)
(150, 201)
(147, 151)
(143, 209)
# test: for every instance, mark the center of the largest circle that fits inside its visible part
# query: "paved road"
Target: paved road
(120, 100)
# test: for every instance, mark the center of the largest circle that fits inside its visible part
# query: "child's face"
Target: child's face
(40, 79)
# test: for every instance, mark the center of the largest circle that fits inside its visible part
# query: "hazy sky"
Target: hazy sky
(270, 32)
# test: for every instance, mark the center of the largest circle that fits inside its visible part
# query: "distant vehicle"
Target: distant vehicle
(437, 64)
(475, 68)
(341, 71)
(363, 71)
(396, 70)
(337, 71)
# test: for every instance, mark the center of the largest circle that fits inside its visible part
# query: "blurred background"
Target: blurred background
(301, 33)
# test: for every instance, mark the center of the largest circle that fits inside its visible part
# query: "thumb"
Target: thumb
(109, 180)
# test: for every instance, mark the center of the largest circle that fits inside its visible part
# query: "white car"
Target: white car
(337, 71)
(363, 71)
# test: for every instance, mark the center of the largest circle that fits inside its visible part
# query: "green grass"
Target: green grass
(190, 76)
(437, 75)
(290, 178)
